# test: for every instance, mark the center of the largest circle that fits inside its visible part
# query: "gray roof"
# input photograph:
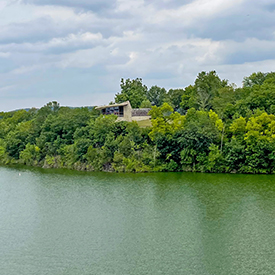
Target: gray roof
(113, 105)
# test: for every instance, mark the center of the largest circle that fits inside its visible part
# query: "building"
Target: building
(124, 112)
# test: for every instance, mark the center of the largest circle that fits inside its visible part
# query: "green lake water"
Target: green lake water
(62, 222)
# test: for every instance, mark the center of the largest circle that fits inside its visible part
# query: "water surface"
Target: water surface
(62, 222)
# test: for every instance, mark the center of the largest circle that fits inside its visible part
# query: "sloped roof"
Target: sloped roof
(113, 105)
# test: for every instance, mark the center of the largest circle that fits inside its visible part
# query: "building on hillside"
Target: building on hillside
(124, 112)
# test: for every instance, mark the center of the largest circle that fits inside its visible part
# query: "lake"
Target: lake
(63, 222)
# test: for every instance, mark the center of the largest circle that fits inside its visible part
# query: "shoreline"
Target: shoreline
(88, 169)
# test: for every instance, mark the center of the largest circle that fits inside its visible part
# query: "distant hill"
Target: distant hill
(89, 107)
(28, 109)
(71, 107)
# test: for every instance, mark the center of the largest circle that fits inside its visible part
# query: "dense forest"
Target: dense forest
(210, 126)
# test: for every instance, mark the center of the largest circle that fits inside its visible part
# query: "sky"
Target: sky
(77, 51)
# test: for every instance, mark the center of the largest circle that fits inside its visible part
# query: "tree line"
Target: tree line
(210, 126)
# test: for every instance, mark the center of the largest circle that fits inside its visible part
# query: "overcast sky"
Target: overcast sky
(76, 51)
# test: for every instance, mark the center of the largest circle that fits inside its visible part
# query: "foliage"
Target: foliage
(30, 155)
(165, 120)
(210, 126)
(257, 79)
(173, 98)
(132, 90)
(145, 104)
(156, 95)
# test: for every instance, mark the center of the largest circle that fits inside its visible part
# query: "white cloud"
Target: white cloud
(3, 4)
(196, 10)
(4, 54)
(84, 58)
(72, 40)
(25, 69)
(75, 39)
(6, 89)
(129, 5)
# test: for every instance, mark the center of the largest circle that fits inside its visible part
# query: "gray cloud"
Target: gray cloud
(105, 5)
(41, 29)
(251, 50)
(270, 8)
(246, 57)
(167, 4)
(249, 22)
(94, 5)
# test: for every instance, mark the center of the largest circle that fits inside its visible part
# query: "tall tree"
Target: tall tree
(132, 90)
(173, 98)
(254, 79)
(156, 95)
(207, 86)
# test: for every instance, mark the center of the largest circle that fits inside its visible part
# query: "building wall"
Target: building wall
(121, 119)
(127, 112)
(140, 112)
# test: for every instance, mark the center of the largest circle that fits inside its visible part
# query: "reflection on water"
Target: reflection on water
(64, 222)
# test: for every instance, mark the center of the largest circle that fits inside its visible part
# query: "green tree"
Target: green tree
(17, 139)
(3, 154)
(100, 128)
(125, 146)
(201, 129)
(262, 97)
(189, 99)
(132, 90)
(173, 98)
(223, 103)
(30, 155)
(165, 120)
(145, 104)
(257, 79)
(207, 86)
(156, 95)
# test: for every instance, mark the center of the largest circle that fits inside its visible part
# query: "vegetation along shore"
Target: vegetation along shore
(210, 126)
